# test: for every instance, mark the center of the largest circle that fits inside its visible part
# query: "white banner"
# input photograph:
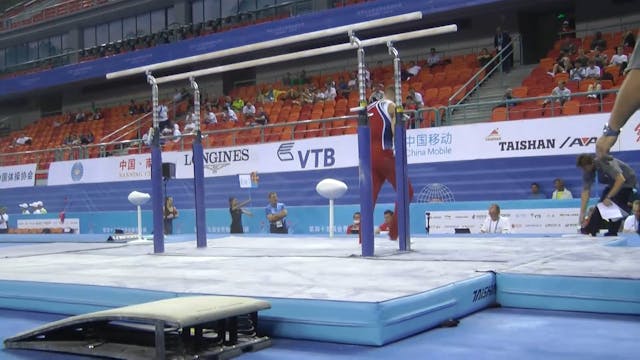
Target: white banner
(17, 176)
(49, 223)
(523, 221)
(490, 140)
(109, 169)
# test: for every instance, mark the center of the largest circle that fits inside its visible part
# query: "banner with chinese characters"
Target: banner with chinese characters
(109, 169)
(17, 176)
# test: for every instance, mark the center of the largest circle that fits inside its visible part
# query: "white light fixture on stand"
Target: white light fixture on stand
(331, 189)
(138, 199)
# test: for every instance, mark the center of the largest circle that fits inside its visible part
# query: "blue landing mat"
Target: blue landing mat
(493, 334)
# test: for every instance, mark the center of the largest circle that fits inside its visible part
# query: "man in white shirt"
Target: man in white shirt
(560, 192)
(632, 223)
(561, 93)
(211, 117)
(494, 223)
(619, 58)
(592, 71)
(4, 221)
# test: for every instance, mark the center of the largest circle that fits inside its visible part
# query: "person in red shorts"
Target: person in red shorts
(382, 121)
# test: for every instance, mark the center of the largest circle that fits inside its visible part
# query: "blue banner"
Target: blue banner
(229, 39)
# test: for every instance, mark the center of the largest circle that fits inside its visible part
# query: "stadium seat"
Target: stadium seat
(571, 107)
(499, 114)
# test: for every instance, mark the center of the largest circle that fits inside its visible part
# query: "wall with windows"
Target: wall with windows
(34, 50)
(130, 27)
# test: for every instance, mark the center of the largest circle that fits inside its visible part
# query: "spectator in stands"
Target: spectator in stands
(509, 99)
(411, 70)
(307, 95)
(629, 39)
(170, 213)
(619, 59)
(261, 117)
(87, 138)
(581, 59)
(535, 192)
(495, 223)
(632, 222)
(578, 73)
(320, 94)
(598, 42)
(177, 134)
(353, 81)
(484, 57)
(594, 90)
(24, 140)
(627, 102)
(4, 220)
(592, 71)
(354, 228)
(133, 108)
(417, 97)
(211, 116)
(237, 104)
(276, 213)
(502, 40)
(385, 227)
(97, 114)
(293, 94)
(148, 107)
(600, 58)
(559, 94)
(619, 180)
(24, 209)
(229, 115)
(563, 65)
(330, 91)
(410, 108)
(343, 87)
(270, 94)
(560, 192)
(80, 116)
(433, 58)
(249, 112)
(163, 116)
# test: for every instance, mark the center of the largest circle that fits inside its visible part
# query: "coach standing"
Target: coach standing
(277, 215)
(619, 180)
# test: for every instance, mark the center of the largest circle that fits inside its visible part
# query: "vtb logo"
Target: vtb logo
(316, 158)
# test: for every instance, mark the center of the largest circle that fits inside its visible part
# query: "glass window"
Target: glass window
(33, 50)
(211, 10)
(89, 37)
(65, 44)
(115, 30)
(158, 21)
(22, 53)
(143, 24)
(197, 12)
(171, 16)
(55, 45)
(3, 62)
(102, 34)
(11, 56)
(229, 8)
(44, 48)
(246, 6)
(129, 27)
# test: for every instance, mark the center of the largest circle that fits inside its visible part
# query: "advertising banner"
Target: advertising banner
(50, 223)
(17, 176)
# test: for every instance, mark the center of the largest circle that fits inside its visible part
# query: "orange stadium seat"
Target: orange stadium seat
(499, 114)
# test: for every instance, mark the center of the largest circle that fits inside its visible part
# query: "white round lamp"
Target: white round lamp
(138, 199)
(331, 189)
